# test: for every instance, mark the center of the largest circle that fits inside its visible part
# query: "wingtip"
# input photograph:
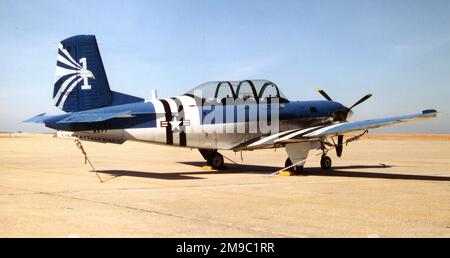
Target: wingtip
(429, 111)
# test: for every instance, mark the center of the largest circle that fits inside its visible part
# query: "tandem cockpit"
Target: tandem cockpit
(227, 92)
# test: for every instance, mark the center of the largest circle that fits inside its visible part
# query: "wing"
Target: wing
(354, 126)
(320, 132)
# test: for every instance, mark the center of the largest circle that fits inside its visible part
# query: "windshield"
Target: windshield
(253, 90)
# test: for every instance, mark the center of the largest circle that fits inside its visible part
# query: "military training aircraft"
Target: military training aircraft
(221, 115)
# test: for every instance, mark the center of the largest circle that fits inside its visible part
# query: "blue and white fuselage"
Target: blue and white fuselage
(159, 121)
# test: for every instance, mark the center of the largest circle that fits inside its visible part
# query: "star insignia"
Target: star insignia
(175, 124)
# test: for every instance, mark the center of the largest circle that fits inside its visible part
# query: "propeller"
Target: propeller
(341, 116)
(324, 94)
(361, 100)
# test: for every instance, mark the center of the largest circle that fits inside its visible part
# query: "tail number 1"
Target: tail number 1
(85, 74)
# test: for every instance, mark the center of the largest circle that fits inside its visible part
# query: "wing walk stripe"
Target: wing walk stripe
(244, 144)
(285, 133)
(312, 130)
(266, 139)
(169, 136)
(301, 132)
(322, 129)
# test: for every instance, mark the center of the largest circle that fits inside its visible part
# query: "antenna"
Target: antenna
(153, 94)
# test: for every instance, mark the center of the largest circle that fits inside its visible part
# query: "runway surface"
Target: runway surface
(381, 187)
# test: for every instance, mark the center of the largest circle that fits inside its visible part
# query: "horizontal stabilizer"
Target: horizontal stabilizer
(91, 117)
(100, 117)
(36, 119)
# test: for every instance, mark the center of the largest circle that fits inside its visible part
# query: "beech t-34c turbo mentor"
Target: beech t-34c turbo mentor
(222, 115)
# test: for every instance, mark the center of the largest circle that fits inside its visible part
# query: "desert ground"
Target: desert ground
(383, 186)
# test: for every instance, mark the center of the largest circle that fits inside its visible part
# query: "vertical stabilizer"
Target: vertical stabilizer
(80, 81)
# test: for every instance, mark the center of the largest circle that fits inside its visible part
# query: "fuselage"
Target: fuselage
(187, 122)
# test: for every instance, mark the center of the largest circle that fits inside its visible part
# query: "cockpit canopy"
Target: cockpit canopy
(247, 90)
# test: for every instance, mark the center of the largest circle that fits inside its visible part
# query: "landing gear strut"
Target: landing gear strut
(213, 158)
(295, 169)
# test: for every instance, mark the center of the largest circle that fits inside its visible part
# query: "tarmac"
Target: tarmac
(383, 186)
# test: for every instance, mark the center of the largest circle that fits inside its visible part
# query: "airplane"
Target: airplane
(219, 115)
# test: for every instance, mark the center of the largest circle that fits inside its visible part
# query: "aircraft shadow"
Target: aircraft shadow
(144, 174)
(337, 171)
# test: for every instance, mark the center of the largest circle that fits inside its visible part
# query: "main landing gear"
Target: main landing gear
(325, 163)
(213, 158)
(295, 169)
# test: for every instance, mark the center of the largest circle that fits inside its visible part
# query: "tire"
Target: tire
(216, 161)
(296, 169)
(325, 162)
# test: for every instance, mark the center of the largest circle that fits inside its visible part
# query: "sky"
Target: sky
(397, 50)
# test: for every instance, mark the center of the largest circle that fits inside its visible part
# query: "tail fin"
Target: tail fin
(81, 81)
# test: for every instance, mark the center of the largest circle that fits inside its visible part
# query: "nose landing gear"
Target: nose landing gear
(325, 162)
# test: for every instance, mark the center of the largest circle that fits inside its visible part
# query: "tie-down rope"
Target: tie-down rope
(86, 159)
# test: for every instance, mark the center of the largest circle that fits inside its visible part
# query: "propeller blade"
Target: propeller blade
(361, 100)
(324, 94)
(340, 145)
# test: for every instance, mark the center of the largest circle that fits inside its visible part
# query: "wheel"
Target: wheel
(325, 162)
(216, 160)
(296, 169)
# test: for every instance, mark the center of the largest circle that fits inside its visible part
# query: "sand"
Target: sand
(383, 186)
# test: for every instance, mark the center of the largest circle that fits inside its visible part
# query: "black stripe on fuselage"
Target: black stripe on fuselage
(181, 116)
(169, 136)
